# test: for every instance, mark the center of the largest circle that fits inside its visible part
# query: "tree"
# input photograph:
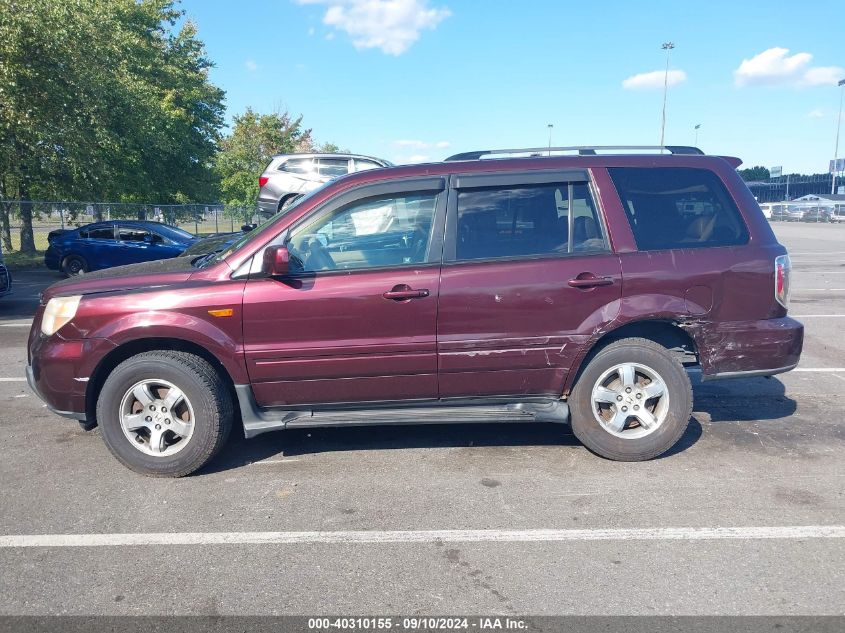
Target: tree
(103, 99)
(754, 174)
(254, 139)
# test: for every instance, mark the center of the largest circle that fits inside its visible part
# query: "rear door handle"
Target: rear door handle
(588, 280)
(403, 293)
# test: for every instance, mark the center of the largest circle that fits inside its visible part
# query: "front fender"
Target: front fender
(181, 314)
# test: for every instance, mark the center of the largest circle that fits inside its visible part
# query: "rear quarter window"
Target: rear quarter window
(678, 208)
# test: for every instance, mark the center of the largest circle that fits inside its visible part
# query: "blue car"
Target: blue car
(113, 243)
(5, 277)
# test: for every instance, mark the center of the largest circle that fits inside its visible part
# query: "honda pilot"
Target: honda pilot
(496, 286)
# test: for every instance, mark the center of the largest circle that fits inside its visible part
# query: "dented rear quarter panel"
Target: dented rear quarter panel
(722, 297)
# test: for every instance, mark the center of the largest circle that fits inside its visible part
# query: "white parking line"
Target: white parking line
(817, 316)
(823, 370)
(422, 536)
(27, 324)
(13, 379)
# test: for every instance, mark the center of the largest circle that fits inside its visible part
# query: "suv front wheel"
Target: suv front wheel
(632, 402)
(164, 413)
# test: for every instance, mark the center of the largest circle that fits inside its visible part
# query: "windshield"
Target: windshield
(213, 258)
(175, 231)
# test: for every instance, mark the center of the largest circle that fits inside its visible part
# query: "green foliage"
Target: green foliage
(754, 174)
(254, 139)
(104, 100)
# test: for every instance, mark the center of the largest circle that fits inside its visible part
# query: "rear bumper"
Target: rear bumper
(267, 206)
(52, 260)
(5, 280)
(740, 349)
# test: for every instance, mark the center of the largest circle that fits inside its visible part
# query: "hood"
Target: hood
(212, 244)
(159, 273)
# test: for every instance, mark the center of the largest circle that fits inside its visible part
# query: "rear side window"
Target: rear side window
(527, 220)
(332, 167)
(97, 233)
(678, 208)
(298, 166)
(131, 234)
(363, 165)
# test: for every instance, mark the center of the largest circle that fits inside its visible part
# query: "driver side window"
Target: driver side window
(392, 230)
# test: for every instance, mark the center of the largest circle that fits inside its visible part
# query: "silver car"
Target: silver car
(289, 176)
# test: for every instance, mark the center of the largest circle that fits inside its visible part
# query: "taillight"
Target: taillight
(783, 266)
(262, 180)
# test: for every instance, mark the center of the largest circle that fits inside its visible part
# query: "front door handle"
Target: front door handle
(404, 292)
(589, 280)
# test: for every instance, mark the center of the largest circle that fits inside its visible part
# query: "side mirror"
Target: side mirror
(276, 261)
(246, 228)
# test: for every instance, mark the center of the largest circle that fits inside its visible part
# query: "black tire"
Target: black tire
(202, 386)
(601, 441)
(74, 265)
(288, 200)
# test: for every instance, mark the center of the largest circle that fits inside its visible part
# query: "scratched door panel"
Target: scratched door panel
(514, 327)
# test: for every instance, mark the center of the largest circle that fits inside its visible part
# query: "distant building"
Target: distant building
(778, 190)
(832, 198)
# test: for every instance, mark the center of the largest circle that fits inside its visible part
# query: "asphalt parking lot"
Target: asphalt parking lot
(761, 455)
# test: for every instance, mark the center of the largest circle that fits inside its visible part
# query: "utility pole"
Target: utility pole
(836, 150)
(696, 134)
(551, 125)
(667, 46)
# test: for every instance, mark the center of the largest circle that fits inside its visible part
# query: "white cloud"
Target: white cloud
(411, 143)
(311, 31)
(390, 25)
(817, 113)
(420, 145)
(330, 36)
(775, 66)
(654, 79)
(251, 66)
(417, 158)
(823, 76)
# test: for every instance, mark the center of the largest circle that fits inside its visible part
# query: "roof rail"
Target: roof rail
(583, 150)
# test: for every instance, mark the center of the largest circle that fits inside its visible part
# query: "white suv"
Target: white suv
(289, 176)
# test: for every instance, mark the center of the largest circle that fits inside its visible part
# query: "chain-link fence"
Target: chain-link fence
(200, 219)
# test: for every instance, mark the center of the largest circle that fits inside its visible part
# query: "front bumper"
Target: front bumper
(738, 349)
(73, 415)
(60, 369)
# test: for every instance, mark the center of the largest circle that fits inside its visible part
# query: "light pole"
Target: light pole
(836, 150)
(550, 126)
(696, 134)
(667, 46)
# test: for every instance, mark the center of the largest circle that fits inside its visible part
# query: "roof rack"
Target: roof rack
(583, 150)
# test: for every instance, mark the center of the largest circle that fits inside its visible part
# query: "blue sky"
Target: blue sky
(412, 80)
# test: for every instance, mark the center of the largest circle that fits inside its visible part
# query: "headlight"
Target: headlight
(59, 312)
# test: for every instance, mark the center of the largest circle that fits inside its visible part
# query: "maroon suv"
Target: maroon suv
(513, 289)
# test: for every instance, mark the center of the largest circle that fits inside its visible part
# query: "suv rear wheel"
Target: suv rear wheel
(164, 413)
(632, 402)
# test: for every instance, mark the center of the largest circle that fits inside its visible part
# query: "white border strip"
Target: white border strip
(422, 536)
